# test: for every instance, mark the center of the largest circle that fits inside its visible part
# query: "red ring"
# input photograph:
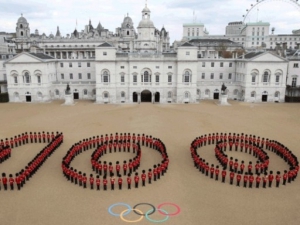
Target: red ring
(169, 214)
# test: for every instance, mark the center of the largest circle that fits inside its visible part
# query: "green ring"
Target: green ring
(157, 221)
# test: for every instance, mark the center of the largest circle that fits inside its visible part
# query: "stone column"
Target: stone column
(139, 97)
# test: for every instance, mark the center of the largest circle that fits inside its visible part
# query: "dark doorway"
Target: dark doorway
(216, 95)
(157, 97)
(134, 97)
(146, 96)
(28, 98)
(76, 95)
(264, 98)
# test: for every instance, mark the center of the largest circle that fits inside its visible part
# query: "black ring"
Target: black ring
(153, 211)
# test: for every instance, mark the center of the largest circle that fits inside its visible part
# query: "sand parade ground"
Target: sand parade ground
(49, 199)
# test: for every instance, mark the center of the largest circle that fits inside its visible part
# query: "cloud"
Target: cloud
(46, 15)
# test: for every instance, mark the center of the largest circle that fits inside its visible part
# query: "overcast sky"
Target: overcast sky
(46, 15)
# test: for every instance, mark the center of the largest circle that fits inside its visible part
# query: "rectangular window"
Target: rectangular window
(294, 82)
(157, 78)
(277, 79)
(79, 76)
(253, 79)
(79, 64)
(230, 64)
(104, 53)
(212, 64)
(169, 67)
(122, 67)
(134, 78)
(122, 79)
(203, 76)
(212, 76)
(71, 76)
(230, 76)
(187, 53)
(170, 78)
(221, 64)
(134, 67)
(296, 65)
(88, 64)
(16, 80)
(61, 64)
(70, 64)
(221, 76)
(203, 64)
(39, 79)
(88, 76)
(157, 67)
(62, 76)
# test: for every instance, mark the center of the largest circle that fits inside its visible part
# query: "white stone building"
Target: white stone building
(137, 65)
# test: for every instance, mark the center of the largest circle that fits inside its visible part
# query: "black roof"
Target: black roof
(186, 44)
(41, 56)
(252, 55)
(211, 40)
(105, 44)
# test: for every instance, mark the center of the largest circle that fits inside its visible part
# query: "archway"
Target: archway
(28, 96)
(134, 97)
(157, 97)
(146, 96)
(216, 94)
(76, 94)
(264, 97)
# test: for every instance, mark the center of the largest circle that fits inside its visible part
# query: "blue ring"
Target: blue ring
(120, 203)
(157, 221)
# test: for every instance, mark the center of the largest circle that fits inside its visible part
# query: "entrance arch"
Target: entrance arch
(157, 97)
(135, 97)
(76, 94)
(146, 96)
(216, 94)
(264, 97)
(28, 96)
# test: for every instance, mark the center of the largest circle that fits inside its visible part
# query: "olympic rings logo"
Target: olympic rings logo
(147, 214)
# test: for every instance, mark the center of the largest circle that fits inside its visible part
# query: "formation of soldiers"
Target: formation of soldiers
(107, 172)
(18, 180)
(249, 175)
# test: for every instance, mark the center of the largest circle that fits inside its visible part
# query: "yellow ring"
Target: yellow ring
(131, 221)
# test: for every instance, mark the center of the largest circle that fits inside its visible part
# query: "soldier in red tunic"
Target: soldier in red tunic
(120, 181)
(231, 175)
(217, 171)
(129, 181)
(285, 177)
(242, 167)
(104, 183)
(125, 167)
(271, 178)
(98, 182)
(257, 180)
(250, 167)
(265, 179)
(231, 164)
(278, 177)
(92, 181)
(143, 176)
(4, 181)
(112, 182)
(111, 169)
(11, 181)
(212, 171)
(84, 180)
(223, 175)
(154, 172)
(245, 178)
(238, 179)
(236, 165)
(251, 180)
(136, 180)
(149, 176)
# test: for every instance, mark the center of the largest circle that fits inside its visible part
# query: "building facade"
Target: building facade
(139, 65)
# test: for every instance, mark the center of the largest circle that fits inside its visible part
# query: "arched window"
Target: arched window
(266, 77)
(277, 76)
(85, 92)
(39, 80)
(22, 33)
(254, 73)
(186, 77)
(105, 94)
(122, 94)
(94, 91)
(15, 79)
(105, 77)
(277, 93)
(253, 94)
(40, 95)
(169, 94)
(186, 95)
(56, 92)
(127, 32)
(235, 92)
(21, 26)
(147, 77)
(27, 78)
